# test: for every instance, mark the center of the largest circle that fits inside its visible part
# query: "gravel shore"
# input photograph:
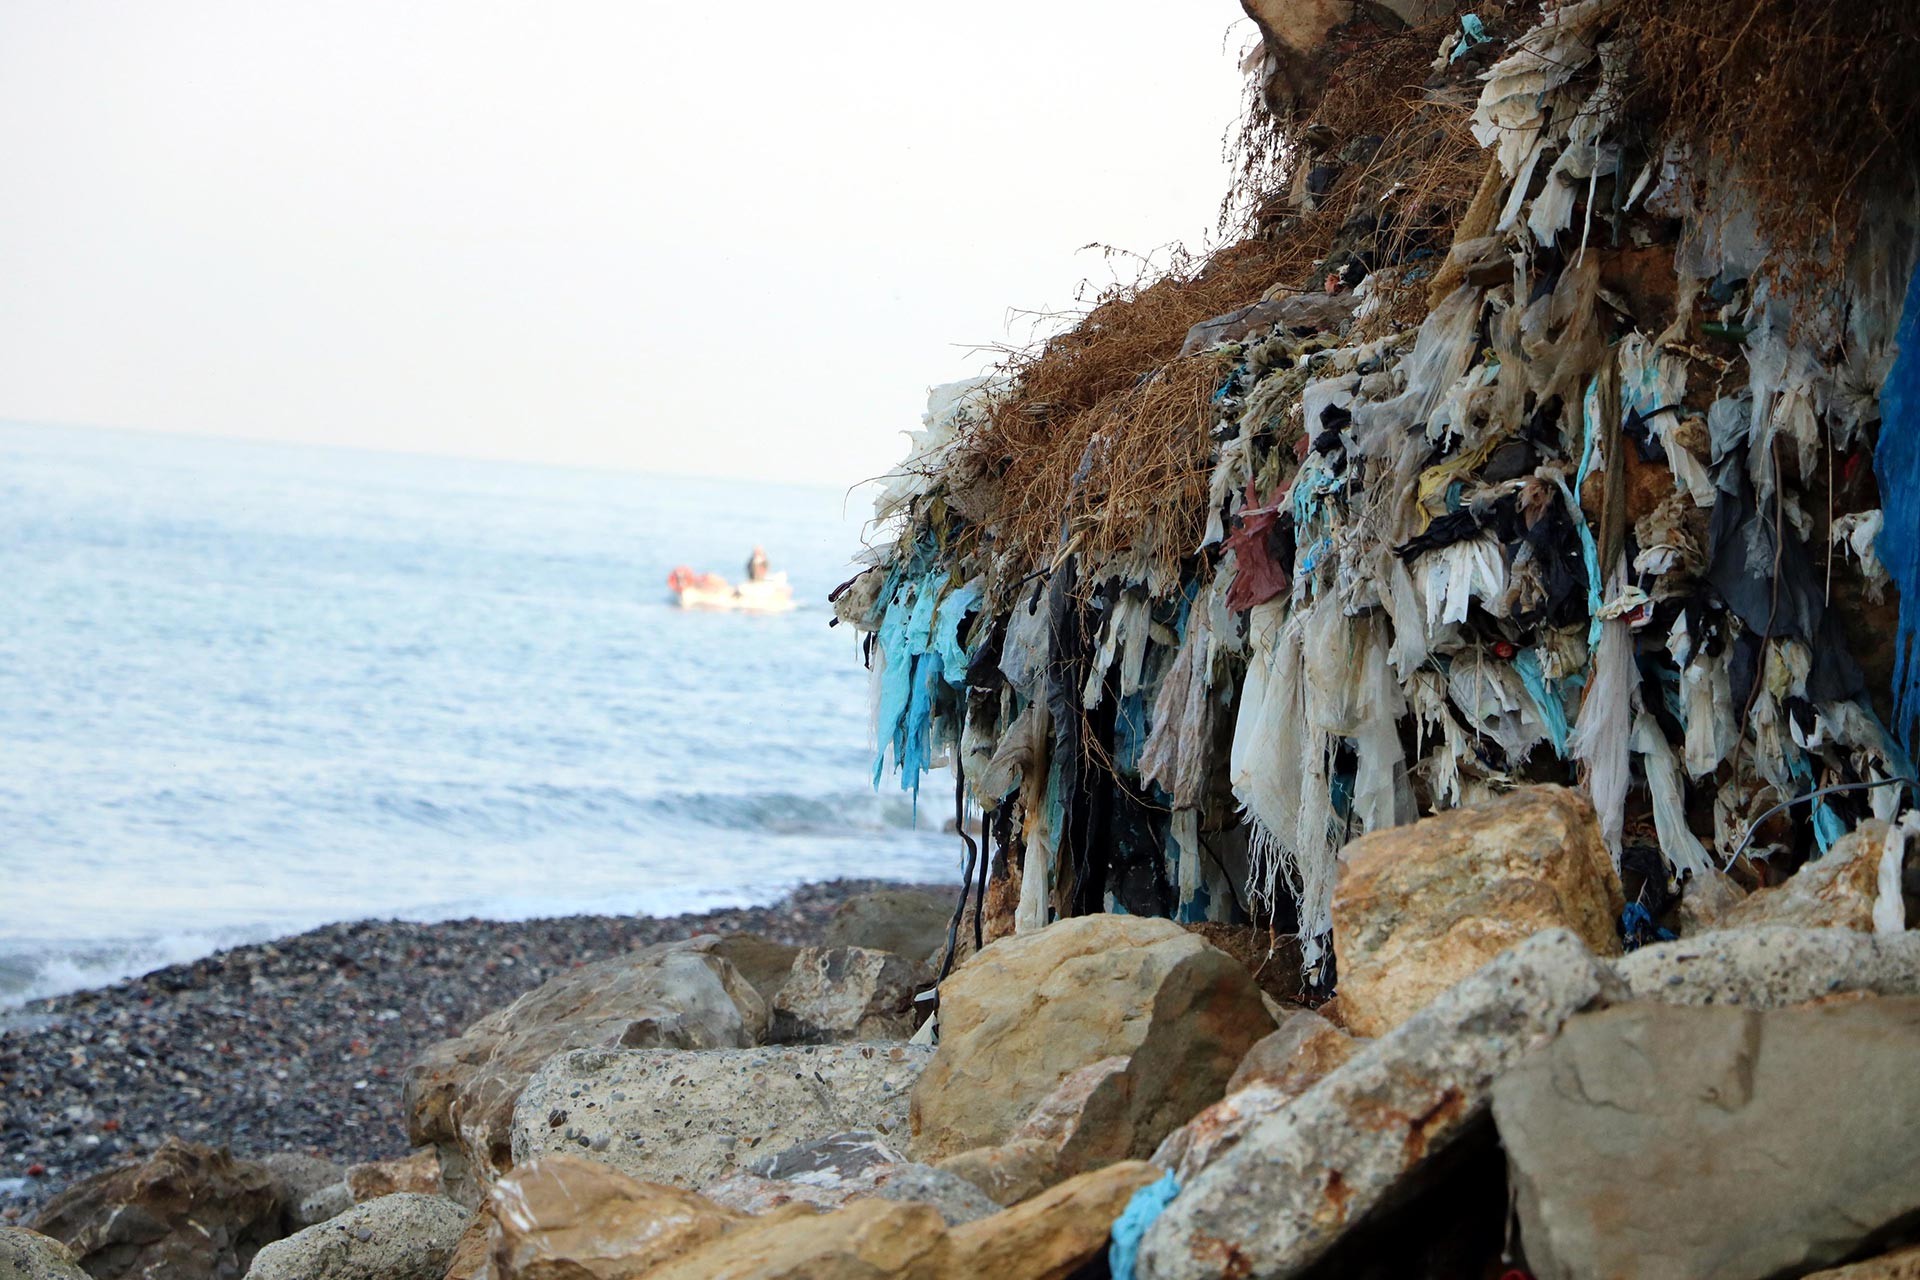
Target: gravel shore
(297, 1044)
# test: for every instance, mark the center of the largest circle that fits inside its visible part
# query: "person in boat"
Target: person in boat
(757, 565)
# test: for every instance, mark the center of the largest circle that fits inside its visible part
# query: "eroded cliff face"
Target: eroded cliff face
(1298, 39)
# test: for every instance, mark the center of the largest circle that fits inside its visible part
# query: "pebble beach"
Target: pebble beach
(295, 1044)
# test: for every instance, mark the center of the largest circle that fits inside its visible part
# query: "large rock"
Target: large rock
(1773, 967)
(1081, 1125)
(188, 1212)
(564, 1218)
(399, 1237)
(829, 1172)
(834, 995)
(1022, 1015)
(1419, 907)
(1055, 1235)
(693, 1118)
(911, 923)
(460, 1093)
(27, 1255)
(1297, 38)
(1835, 891)
(1664, 1142)
(567, 1219)
(1276, 1201)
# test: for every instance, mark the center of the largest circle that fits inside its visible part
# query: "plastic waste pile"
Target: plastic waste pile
(1621, 510)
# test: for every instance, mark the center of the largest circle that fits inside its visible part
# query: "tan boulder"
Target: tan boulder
(1417, 908)
(418, 1173)
(471, 1254)
(460, 1093)
(1015, 1170)
(1020, 1017)
(866, 1240)
(1296, 35)
(564, 1218)
(1055, 1234)
(1834, 891)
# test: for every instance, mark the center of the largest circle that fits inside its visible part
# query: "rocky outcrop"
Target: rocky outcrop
(460, 1094)
(1678, 1142)
(1081, 1125)
(848, 1166)
(1024, 1014)
(910, 923)
(27, 1255)
(835, 995)
(1834, 891)
(1419, 907)
(1277, 1200)
(188, 1212)
(564, 1218)
(1773, 968)
(417, 1174)
(398, 1237)
(691, 1119)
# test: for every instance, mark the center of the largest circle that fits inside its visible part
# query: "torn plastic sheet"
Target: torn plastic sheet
(1896, 464)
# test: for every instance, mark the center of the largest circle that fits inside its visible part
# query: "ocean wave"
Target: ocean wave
(37, 971)
(530, 809)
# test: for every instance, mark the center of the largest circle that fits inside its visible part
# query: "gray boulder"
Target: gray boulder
(460, 1093)
(1299, 1179)
(398, 1237)
(1670, 1143)
(835, 995)
(911, 923)
(691, 1119)
(27, 1255)
(1770, 968)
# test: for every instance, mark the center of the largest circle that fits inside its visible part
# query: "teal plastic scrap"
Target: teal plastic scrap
(1147, 1204)
(1472, 32)
(1546, 700)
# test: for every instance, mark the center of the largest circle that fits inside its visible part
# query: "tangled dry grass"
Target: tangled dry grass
(1813, 106)
(1104, 435)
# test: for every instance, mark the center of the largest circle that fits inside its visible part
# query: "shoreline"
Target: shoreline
(296, 1044)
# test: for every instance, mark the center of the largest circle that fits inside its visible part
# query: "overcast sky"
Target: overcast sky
(709, 238)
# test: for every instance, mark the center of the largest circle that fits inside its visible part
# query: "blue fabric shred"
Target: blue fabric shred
(946, 633)
(1148, 1203)
(1896, 464)
(1546, 701)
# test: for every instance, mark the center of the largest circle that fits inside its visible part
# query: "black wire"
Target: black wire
(1754, 826)
(966, 878)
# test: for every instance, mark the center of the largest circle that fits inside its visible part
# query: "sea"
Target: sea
(247, 689)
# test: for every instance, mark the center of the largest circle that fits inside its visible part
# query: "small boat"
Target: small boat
(691, 590)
